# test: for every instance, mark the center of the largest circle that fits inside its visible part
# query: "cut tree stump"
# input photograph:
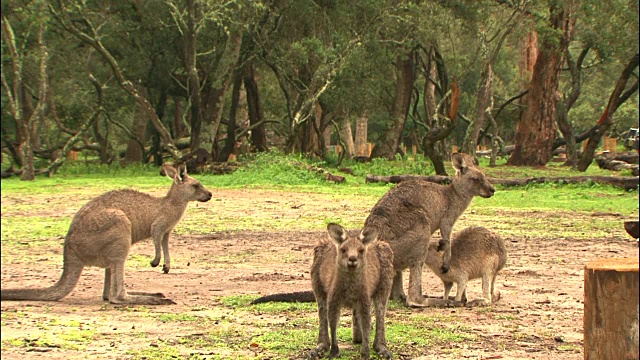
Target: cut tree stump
(611, 309)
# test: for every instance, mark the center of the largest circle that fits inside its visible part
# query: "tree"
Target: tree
(618, 96)
(16, 90)
(536, 129)
(405, 77)
(83, 29)
(484, 92)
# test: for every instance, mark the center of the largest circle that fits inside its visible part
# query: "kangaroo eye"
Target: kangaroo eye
(343, 250)
(361, 250)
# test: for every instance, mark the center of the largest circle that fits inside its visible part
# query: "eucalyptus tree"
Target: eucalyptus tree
(536, 129)
(86, 24)
(307, 45)
(22, 52)
(492, 34)
(612, 30)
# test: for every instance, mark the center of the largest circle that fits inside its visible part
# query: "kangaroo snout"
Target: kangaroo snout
(206, 197)
(488, 192)
(352, 262)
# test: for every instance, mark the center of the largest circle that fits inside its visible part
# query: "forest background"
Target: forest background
(144, 81)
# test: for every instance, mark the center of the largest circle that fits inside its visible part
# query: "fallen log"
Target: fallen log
(616, 165)
(625, 182)
(631, 157)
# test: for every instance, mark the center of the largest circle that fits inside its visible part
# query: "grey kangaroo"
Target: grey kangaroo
(351, 271)
(103, 230)
(410, 212)
(475, 253)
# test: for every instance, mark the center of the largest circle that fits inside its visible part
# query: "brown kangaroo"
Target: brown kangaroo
(350, 271)
(475, 253)
(103, 230)
(410, 212)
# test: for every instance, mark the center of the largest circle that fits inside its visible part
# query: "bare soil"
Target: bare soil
(539, 315)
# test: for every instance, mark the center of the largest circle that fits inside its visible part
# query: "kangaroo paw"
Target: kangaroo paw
(155, 263)
(441, 245)
(165, 269)
(384, 353)
(335, 351)
(478, 302)
(445, 268)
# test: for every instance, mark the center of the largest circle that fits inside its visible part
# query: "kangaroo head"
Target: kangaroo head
(184, 186)
(351, 249)
(471, 181)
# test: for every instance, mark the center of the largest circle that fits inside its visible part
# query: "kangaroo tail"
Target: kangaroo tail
(299, 296)
(72, 268)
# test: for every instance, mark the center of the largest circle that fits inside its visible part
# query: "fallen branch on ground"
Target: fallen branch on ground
(625, 182)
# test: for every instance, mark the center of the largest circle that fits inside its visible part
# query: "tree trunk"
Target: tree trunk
(156, 144)
(361, 135)
(135, 148)
(482, 102)
(224, 74)
(256, 113)
(178, 127)
(615, 100)
(230, 142)
(536, 129)
(611, 309)
(405, 78)
(347, 136)
(565, 106)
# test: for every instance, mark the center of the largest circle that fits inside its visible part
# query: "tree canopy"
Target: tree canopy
(141, 81)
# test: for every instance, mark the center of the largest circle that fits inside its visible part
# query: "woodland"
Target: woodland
(147, 81)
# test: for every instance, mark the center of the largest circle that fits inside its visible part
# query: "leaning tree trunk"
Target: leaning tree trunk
(615, 100)
(536, 129)
(405, 70)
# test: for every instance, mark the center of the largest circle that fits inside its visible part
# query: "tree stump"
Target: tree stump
(611, 309)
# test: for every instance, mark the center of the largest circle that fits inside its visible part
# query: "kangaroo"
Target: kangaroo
(350, 272)
(475, 253)
(103, 230)
(410, 212)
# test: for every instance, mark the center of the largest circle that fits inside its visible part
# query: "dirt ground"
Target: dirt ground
(539, 315)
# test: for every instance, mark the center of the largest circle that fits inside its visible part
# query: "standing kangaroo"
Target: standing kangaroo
(350, 272)
(103, 230)
(410, 212)
(475, 253)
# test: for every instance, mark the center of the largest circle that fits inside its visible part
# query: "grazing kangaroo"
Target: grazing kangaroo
(475, 253)
(410, 212)
(350, 272)
(103, 230)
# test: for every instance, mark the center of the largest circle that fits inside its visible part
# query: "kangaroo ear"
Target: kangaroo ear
(337, 233)
(170, 171)
(368, 235)
(458, 162)
(182, 170)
